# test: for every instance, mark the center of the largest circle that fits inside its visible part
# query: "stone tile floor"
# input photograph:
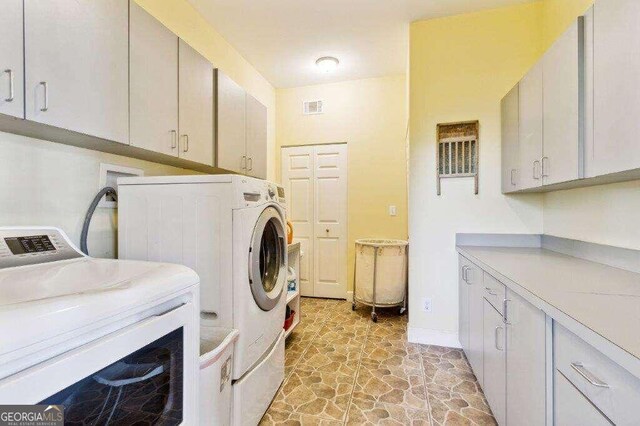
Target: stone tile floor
(341, 368)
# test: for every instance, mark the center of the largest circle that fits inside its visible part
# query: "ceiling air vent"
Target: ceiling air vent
(312, 107)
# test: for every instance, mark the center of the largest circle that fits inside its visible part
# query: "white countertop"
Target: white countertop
(599, 303)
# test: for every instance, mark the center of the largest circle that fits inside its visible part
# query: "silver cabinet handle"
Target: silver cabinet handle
(250, 163)
(543, 173)
(490, 291)
(588, 375)
(498, 328)
(464, 273)
(46, 96)
(512, 181)
(535, 168)
(11, 87)
(243, 163)
(185, 147)
(174, 139)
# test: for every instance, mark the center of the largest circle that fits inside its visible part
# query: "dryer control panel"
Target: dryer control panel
(30, 246)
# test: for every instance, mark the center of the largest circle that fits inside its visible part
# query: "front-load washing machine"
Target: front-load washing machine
(231, 230)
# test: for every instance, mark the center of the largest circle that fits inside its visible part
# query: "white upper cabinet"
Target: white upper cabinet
(562, 106)
(256, 115)
(530, 129)
(154, 84)
(510, 141)
(196, 123)
(616, 84)
(12, 59)
(77, 65)
(231, 139)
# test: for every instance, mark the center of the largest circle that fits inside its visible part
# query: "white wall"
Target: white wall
(606, 214)
(44, 183)
(493, 49)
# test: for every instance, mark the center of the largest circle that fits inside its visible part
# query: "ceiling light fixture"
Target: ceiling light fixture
(327, 63)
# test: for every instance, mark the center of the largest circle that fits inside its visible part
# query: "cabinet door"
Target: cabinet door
(475, 276)
(256, 138)
(562, 107)
(525, 362)
(572, 408)
(530, 129)
(494, 362)
(196, 105)
(463, 303)
(510, 141)
(154, 83)
(77, 66)
(616, 87)
(12, 60)
(231, 141)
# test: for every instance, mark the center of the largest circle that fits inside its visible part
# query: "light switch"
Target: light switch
(392, 211)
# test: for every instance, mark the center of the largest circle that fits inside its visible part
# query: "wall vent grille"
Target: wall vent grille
(312, 107)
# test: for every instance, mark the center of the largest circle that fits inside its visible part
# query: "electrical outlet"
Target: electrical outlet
(392, 211)
(428, 306)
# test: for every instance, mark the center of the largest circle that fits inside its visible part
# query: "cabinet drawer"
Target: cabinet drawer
(612, 389)
(572, 408)
(495, 292)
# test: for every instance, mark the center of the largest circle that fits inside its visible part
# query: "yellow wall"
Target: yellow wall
(370, 115)
(557, 15)
(181, 18)
(460, 68)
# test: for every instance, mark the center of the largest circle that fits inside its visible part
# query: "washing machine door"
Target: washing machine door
(267, 259)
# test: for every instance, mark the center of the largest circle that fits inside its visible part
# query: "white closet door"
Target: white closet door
(330, 221)
(297, 179)
(315, 181)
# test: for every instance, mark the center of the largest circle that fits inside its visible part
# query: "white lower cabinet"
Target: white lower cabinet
(463, 305)
(495, 374)
(572, 408)
(476, 302)
(470, 308)
(526, 362)
(607, 386)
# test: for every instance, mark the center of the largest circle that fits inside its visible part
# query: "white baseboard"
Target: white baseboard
(433, 337)
(350, 296)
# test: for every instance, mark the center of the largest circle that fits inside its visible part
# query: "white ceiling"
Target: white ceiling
(283, 38)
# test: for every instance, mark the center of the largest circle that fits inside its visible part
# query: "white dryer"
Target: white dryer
(231, 230)
(112, 341)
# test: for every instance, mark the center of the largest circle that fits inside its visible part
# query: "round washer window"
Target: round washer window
(270, 256)
(266, 259)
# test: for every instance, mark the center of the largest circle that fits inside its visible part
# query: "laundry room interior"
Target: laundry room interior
(240, 212)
